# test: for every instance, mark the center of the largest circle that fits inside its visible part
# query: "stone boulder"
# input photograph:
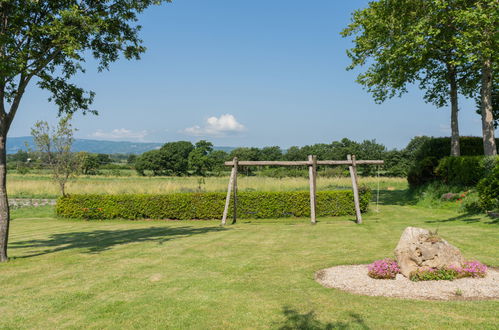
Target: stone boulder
(419, 248)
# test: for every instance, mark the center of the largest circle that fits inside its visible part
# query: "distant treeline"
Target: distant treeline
(185, 158)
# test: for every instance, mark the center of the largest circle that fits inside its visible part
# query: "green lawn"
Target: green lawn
(255, 274)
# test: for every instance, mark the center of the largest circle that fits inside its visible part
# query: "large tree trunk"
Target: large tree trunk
(455, 149)
(4, 202)
(489, 141)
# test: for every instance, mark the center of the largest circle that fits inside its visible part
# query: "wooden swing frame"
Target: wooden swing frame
(312, 164)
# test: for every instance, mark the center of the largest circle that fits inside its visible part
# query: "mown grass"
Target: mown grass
(253, 275)
(41, 186)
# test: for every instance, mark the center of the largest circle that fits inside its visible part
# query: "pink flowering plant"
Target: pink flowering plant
(472, 268)
(383, 269)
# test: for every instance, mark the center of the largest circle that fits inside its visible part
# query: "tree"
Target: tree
(54, 144)
(131, 159)
(150, 161)
(47, 42)
(411, 41)
(175, 156)
(217, 160)
(271, 153)
(495, 102)
(199, 158)
(89, 163)
(479, 41)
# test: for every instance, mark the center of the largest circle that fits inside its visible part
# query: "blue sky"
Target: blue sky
(244, 73)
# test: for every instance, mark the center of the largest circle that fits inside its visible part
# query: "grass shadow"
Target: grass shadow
(101, 240)
(308, 321)
(468, 218)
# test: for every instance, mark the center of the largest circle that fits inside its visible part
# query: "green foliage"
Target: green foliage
(440, 147)
(465, 170)
(150, 161)
(434, 275)
(199, 160)
(402, 44)
(175, 157)
(471, 203)
(488, 191)
(184, 206)
(429, 153)
(436, 194)
(89, 163)
(55, 145)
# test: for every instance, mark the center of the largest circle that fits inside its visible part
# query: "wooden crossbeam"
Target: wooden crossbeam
(303, 163)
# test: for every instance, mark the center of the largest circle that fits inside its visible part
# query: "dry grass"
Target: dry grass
(43, 186)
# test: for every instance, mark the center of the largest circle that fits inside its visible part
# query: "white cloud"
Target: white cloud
(217, 127)
(119, 134)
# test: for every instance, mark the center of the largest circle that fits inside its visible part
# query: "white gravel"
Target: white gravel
(354, 279)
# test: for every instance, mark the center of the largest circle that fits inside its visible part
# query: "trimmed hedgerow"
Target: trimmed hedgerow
(429, 154)
(183, 206)
(464, 170)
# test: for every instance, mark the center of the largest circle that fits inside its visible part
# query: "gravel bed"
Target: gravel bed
(354, 279)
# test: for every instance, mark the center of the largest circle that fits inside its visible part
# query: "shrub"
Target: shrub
(431, 150)
(469, 269)
(473, 268)
(183, 206)
(383, 269)
(488, 191)
(471, 203)
(465, 171)
(433, 274)
(422, 172)
(440, 147)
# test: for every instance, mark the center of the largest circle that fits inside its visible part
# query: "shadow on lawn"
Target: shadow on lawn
(468, 218)
(100, 240)
(307, 321)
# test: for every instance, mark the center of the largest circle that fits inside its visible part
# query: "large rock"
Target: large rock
(419, 248)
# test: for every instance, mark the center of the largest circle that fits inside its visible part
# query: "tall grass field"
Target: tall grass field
(42, 186)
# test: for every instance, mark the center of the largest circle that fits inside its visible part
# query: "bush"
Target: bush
(469, 269)
(422, 172)
(465, 170)
(440, 147)
(488, 191)
(383, 269)
(432, 150)
(183, 206)
(434, 274)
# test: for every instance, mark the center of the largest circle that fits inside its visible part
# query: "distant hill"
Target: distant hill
(95, 146)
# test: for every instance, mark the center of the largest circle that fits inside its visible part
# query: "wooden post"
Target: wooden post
(236, 163)
(227, 199)
(353, 174)
(312, 173)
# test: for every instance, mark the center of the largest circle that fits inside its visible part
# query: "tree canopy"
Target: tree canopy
(433, 43)
(47, 41)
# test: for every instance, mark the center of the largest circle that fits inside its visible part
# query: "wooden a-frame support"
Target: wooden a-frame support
(312, 163)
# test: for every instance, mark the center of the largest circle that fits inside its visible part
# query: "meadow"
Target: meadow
(41, 185)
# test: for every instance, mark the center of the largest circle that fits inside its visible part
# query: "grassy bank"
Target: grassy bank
(255, 274)
(41, 186)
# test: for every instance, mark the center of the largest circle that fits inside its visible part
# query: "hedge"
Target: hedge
(439, 147)
(465, 170)
(488, 191)
(183, 206)
(430, 153)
